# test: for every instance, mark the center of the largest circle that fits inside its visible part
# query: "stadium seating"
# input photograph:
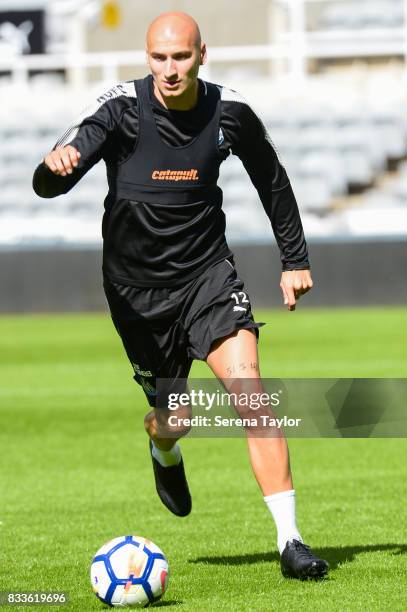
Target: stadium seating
(328, 144)
(352, 15)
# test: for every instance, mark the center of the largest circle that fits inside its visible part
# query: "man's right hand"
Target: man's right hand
(62, 160)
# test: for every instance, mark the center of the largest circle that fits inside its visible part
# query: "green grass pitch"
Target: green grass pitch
(76, 472)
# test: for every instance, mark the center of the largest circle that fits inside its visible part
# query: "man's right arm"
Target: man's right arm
(49, 181)
(83, 144)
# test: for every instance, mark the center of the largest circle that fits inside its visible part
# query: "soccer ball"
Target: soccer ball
(129, 571)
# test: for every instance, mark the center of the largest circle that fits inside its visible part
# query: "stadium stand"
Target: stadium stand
(327, 155)
(360, 14)
(336, 134)
(328, 77)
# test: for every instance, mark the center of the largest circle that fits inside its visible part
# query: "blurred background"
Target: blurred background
(328, 78)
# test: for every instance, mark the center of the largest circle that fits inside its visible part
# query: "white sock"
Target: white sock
(282, 507)
(167, 458)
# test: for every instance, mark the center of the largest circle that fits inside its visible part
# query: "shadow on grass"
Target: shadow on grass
(167, 602)
(334, 555)
(158, 604)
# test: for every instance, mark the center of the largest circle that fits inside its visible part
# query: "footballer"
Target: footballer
(169, 274)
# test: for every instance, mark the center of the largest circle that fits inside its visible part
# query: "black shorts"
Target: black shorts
(164, 329)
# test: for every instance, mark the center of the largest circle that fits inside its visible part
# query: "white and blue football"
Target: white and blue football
(129, 572)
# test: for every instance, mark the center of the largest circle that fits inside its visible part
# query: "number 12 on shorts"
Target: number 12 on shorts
(240, 298)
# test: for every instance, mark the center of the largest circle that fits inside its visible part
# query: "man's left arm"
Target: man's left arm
(268, 175)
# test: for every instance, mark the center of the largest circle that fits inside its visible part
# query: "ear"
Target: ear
(203, 55)
(147, 58)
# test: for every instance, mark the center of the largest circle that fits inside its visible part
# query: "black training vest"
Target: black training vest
(158, 173)
(163, 222)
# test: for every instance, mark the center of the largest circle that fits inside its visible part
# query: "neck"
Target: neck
(184, 102)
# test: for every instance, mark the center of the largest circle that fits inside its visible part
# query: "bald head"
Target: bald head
(172, 27)
(174, 54)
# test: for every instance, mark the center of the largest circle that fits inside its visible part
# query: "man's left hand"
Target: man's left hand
(294, 283)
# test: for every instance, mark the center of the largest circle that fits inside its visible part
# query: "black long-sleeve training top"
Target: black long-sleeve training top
(163, 222)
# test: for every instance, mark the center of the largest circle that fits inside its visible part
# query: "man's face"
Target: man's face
(174, 64)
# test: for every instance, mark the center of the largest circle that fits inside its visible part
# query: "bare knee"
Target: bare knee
(168, 423)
